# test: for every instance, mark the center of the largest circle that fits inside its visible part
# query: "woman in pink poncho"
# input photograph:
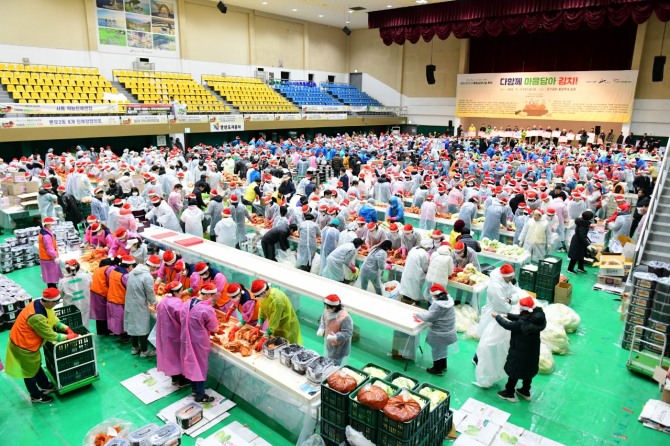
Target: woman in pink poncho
(51, 272)
(168, 334)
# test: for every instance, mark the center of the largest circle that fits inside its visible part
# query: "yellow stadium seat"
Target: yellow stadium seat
(11, 87)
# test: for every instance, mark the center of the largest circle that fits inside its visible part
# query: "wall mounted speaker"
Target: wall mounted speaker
(430, 74)
(346, 30)
(657, 71)
(222, 7)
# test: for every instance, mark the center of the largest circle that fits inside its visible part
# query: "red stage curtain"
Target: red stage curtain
(477, 18)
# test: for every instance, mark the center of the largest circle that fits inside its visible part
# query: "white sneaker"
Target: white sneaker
(148, 354)
(136, 350)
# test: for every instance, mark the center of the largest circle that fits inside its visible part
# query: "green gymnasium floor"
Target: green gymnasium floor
(591, 399)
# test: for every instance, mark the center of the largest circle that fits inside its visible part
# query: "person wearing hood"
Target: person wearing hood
(139, 295)
(329, 239)
(395, 212)
(337, 329)
(580, 242)
(193, 218)
(198, 321)
(46, 201)
(440, 267)
(468, 211)
(75, 287)
(341, 260)
(494, 216)
(493, 341)
(373, 266)
(535, 236)
(126, 219)
(308, 232)
(414, 275)
(276, 308)
(621, 225)
(368, 212)
(442, 332)
(168, 331)
(225, 231)
(213, 212)
(456, 232)
(524, 348)
(137, 249)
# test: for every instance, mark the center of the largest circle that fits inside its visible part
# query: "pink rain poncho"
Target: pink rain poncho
(168, 335)
(198, 320)
(219, 279)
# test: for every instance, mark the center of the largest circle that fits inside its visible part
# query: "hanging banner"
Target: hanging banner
(141, 27)
(54, 109)
(144, 119)
(226, 123)
(381, 109)
(188, 119)
(259, 117)
(324, 108)
(71, 121)
(288, 117)
(598, 96)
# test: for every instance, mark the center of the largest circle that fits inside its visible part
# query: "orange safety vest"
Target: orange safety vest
(43, 251)
(185, 280)
(333, 326)
(99, 281)
(170, 274)
(257, 309)
(117, 292)
(22, 334)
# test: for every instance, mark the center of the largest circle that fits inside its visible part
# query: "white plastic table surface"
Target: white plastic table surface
(390, 313)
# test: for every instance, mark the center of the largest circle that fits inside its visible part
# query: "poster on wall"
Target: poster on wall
(141, 27)
(596, 96)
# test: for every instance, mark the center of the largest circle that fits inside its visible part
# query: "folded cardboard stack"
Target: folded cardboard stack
(17, 191)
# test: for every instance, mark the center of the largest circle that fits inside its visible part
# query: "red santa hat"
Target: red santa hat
(437, 289)
(49, 221)
(225, 212)
(507, 270)
(233, 289)
(459, 246)
(527, 304)
(95, 227)
(121, 232)
(128, 260)
(208, 288)
(51, 294)
(234, 199)
(97, 191)
(393, 227)
(408, 228)
(154, 261)
(201, 268)
(169, 257)
(258, 286)
(436, 234)
(372, 225)
(156, 200)
(179, 265)
(91, 219)
(332, 299)
(174, 287)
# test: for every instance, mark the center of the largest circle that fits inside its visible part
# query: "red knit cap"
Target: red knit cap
(437, 289)
(332, 300)
(169, 257)
(201, 268)
(258, 286)
(50, 294)
(507, 270)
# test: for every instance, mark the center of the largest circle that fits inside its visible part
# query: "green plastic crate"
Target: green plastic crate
(339, 418)
(370, 364)
(386, 439)
(70, 316)
(362, 413)
(332, 433)
(547, 281)
(68, 348)
(395, 375)
(545, 293)
(369, 432)
(74, 375)
(440, 412)
(335, 399)
(549, 266)
(405, 431)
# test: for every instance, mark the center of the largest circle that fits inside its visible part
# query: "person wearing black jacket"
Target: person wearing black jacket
(279, 234)
(514, 202)
(114, 189)
(643, 200)
(580, 242)
(466, 238)
(198, 191)
(643, 181)
(286, 188)
(202, 182)
(344, 179)
(524, 347)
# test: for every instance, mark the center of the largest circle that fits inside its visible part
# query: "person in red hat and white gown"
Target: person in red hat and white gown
(502, 294)
(48, 253)
(337, 329)
(164, 215)
(535, 236)
(442, 332)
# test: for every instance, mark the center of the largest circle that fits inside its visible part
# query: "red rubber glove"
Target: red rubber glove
(71, 336)
(416, 319)
(221, 330)
(231, 335)
(69, 331)
(229, 313)
(260, 343)
(352, 267)
(404, 252)
(256, 331)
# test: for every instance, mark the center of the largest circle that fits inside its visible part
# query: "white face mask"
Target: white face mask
(135, 194)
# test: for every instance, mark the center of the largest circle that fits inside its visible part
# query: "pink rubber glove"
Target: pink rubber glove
(404, 252)
(352, 267)
(416, 319)
(388, 266)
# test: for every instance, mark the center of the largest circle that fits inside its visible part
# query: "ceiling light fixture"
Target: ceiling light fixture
(320, 15)
(421, 2)
(294, 10)
(350, 11)
(389, 6)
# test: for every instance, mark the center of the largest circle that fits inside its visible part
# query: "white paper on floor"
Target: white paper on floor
(480, 424)
(234, 434)
(150, 386)
(212, 412)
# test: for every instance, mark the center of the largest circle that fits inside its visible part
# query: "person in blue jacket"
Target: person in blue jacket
(395, 212)
(368, 212)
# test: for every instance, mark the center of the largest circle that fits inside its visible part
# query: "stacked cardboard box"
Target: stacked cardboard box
(17, 190)
(612, 272)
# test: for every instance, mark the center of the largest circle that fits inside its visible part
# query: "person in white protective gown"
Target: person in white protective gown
(535, 236)
(309, 231)
(164, 215)
(192, 218)
(329, 238)
(373, 267)
(493, 339)
(337, 329)
(226, 229)
(442, 332)
(340, 262)
(75, 287)
(414, 275)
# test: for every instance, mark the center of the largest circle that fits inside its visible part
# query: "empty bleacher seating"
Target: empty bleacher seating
(305, 93)
(349, 94)
(249, 95)
(152, 87)
(55, 84)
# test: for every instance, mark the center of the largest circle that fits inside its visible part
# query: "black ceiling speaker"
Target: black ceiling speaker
(657, 71)
(222, 7)
(430, 74)
(346, 30)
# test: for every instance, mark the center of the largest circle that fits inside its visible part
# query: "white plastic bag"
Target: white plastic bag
(287, 257)
(356, 438)
(472, 331)
(316, 264)
(390, 289)
(563, 315)
(555, 338)
(314, 440)
(546, 363)
(462, 322)
(152, 336)
(492, 354)
(113, 427)
(468, 312)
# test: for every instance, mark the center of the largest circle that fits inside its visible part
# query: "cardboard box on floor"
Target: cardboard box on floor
(611, 264)
(609, 280)
(19, 188)
(628, 247)
(662, 377)
(563, 293)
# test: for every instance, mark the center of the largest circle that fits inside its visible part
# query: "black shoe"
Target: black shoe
(583, 271)
(434, 371)
(475, 360)
(49, 390)
(506, 396)
(181, 384)
(204, 399)
(124, 340)
(44, 399)
(524, 395)
(572, 272)
(457, 302)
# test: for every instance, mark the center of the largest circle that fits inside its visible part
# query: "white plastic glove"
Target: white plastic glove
(320, 332)
(331, 338)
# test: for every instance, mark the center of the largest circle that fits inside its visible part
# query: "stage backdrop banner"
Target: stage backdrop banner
(141, 27)
(596, 96)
